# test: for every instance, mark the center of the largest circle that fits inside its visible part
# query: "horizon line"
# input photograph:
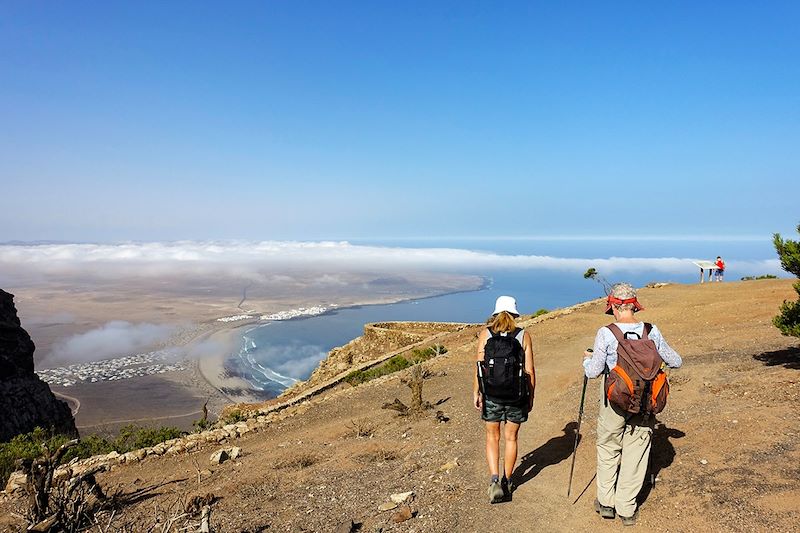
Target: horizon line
(693, 238)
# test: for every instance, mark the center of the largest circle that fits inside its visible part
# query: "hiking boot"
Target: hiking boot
(602, 510)
(508, 487)
(495, 492)
(630, 520)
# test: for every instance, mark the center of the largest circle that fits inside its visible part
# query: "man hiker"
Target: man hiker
(719, 272)
(626, 418)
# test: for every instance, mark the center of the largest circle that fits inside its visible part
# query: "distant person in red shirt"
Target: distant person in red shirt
(720, 270)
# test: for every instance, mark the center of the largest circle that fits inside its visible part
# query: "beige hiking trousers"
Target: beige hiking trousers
(623, 452)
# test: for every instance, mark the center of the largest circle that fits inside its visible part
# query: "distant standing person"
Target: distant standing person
(719, 272)
(623, 439)
(503, 390)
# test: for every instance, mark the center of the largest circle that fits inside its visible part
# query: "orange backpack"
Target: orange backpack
(637, 385)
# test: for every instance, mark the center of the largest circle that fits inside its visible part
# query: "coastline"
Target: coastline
(212, 350)
(225, 337)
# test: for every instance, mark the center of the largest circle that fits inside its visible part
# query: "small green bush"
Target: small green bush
(763, 276)
(540, 312)
(29, 445)
(788, 321)
(395, 364)
(133, 437)
(419, 355)
(355, 377)
(201, 424)
(398, 362)
(87, 447)
(234, 416)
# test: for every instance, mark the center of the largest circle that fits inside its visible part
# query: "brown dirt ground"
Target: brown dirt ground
(733, 404)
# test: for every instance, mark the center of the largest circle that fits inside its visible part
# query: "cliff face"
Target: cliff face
(25, 401)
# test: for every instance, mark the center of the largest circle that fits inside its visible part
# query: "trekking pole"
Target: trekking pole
(482, 389)
(577, 434)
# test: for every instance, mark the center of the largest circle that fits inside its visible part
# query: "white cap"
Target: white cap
(506, 303)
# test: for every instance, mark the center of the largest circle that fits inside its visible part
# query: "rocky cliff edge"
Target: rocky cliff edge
(25, 400)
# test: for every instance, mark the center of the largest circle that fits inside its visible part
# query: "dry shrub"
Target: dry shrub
(298, 460)
(168, 517)
(379, 454)
(361, 428)
(175, 515)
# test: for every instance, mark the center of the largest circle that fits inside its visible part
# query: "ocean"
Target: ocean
(539, 273)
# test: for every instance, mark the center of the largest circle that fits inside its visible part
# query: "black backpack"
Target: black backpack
(501, 374)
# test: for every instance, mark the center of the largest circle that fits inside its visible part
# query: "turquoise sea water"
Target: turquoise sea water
(272, 355)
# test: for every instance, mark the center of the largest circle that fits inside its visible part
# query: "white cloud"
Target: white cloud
(297, 362)
(113, 339)
(263, 261)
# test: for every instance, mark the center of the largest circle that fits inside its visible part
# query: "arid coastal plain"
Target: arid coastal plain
(142, 350)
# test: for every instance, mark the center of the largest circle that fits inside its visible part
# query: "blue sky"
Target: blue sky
(339, 120)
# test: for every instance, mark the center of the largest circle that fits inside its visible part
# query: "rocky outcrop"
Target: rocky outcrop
(378, 339)
(25, 400)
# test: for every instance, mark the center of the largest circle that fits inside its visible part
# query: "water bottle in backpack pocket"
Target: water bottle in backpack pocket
(502, 372)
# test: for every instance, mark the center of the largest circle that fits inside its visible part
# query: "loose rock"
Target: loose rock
(16, 481)
(219, 457)
(401, 497)
(403, 513)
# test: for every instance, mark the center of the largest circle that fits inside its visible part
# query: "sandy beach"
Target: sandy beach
(217, 347)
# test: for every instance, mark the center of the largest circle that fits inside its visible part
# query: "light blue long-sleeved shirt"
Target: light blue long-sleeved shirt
(605, 349)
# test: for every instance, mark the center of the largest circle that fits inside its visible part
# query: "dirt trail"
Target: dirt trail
(733, 406)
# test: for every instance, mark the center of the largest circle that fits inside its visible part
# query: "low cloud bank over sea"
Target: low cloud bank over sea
(263, 261)
(113, 339)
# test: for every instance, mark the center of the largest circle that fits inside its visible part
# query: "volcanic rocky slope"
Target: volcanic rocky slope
(25, 400)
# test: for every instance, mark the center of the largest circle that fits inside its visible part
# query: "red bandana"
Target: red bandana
(616, 301)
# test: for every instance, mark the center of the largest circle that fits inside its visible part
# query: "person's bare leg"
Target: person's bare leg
(493, 447)
(510, 457)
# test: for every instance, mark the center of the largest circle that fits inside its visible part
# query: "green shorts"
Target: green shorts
(495, 412)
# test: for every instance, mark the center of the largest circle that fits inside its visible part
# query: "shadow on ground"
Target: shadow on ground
(120, 498)
(550, 453)
(788, 357)
(662, 454)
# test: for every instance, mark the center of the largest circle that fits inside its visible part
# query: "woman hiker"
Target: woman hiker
(623, 439)
(503, 392)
